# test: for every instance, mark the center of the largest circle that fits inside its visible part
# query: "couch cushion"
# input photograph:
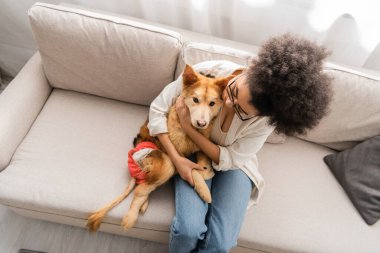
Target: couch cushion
(303, 208)
(354, 112)
(74, 161)
(103, 55)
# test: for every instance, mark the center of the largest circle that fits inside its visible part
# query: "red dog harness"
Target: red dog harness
(134, 168)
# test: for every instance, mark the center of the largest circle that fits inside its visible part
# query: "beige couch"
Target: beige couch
(68, 119)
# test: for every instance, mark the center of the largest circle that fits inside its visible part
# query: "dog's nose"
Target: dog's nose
(201, 123)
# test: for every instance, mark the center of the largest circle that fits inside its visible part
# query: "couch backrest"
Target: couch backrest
(354, 111)
(104, 55)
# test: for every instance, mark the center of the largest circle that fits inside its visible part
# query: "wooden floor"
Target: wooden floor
(20, 232)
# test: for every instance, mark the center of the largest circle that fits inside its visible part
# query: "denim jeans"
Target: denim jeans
(201, 227)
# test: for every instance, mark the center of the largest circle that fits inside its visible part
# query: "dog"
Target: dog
(203, 97)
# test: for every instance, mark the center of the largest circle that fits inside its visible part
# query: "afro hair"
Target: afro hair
(287, 83)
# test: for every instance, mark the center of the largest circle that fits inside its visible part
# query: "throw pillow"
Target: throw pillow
(358, 171)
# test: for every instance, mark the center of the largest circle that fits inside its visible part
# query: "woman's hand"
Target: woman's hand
(184, 167)
(183, 112)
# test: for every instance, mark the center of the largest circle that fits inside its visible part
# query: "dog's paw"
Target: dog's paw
(207, 172)
(206, 167)
(205, 164)
(128, 221)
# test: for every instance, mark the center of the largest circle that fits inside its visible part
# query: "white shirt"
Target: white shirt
(243, 140)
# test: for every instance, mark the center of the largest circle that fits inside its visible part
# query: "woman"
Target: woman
(285, 90)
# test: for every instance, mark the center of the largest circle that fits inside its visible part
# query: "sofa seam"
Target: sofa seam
(264, 251)
(179, 57)
(364, 75)
(74, 217)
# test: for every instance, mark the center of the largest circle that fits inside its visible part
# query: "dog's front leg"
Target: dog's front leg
(200, 186)
(199, 177)
(205, 162)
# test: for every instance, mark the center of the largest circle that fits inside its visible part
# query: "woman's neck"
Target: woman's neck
(226, 118)
(229, 110)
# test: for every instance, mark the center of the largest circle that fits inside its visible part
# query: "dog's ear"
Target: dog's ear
(222, 82)
(189, 76)
(237, 72)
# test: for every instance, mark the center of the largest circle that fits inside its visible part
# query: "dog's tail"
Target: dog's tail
(95, 219)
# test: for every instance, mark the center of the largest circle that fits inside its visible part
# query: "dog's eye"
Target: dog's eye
(195, 100)
(212, 103)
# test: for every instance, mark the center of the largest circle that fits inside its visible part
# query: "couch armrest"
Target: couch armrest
(20, 104)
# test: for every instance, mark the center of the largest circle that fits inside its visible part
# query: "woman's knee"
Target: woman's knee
(237, 175)
(188, 229)
(219, 244)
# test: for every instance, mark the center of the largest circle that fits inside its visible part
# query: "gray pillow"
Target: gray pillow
(358, 171)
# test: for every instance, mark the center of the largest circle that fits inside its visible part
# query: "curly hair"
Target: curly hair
(286, 83)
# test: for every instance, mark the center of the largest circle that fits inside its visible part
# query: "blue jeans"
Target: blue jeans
(201, 227)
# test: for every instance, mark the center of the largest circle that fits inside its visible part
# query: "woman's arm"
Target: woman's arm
(234, 155)
(208, 147)
(182, 164)
(160, 106)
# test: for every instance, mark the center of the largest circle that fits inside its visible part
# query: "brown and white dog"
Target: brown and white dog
(203, 96)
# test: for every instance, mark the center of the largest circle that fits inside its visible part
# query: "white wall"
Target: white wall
(349, 28)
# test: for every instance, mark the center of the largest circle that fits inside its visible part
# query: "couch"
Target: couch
(68, 119)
